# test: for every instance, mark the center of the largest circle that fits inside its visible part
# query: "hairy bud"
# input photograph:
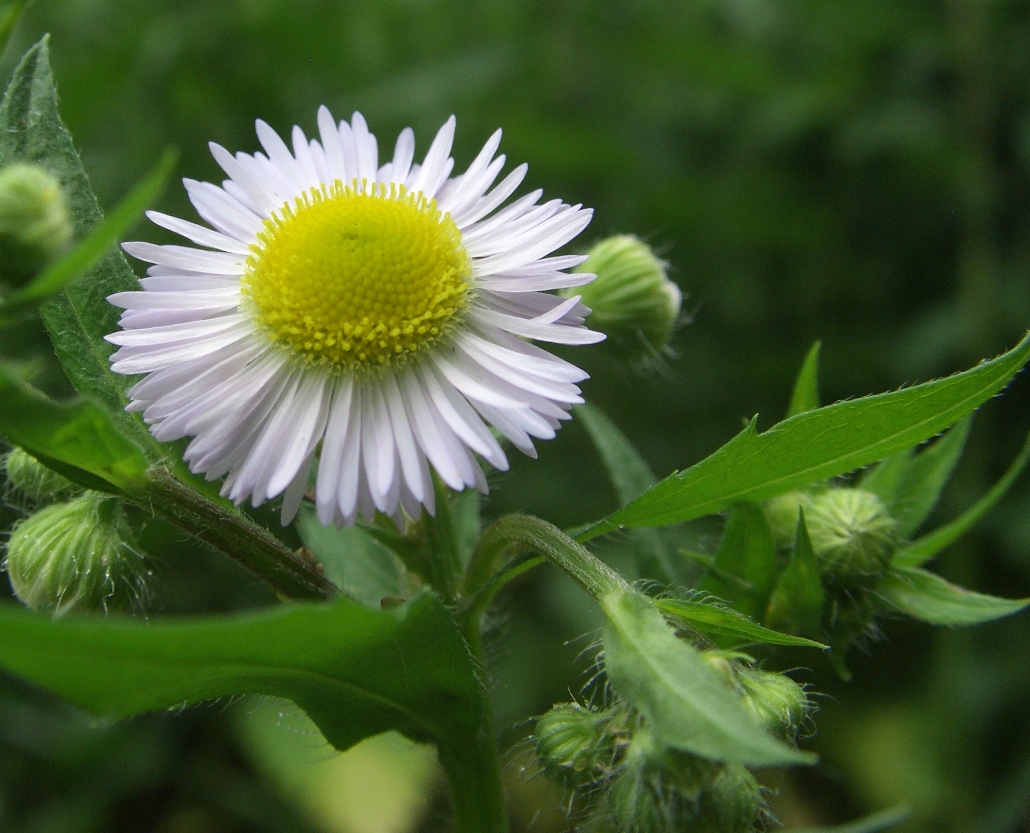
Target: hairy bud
(34, 480)
(35, 225)
(852, 535)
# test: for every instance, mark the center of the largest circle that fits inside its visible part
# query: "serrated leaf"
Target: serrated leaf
(910, 484)
(88, 253)
(796, 605)
(816, 445)
(78, 317)
(806, 388)
(76, 439)
(744, 571)
(356, 672)
(724, 622)
(926, 547)
(688, 705)
(928, 597)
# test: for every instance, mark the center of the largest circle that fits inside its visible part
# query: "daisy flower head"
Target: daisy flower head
(369, 319)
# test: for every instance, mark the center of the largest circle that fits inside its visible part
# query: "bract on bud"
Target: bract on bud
(852, 534)
(35, 225)
(632, 299)
(573, 744)
(76, 556)
(34, 480)
(775, 701)
(733, 803)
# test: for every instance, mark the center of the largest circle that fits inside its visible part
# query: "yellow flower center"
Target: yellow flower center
(357, 280)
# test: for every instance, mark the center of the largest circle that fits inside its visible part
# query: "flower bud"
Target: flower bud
(775, 701)
(632, 300)
(852, 534)
(733, 803)
(34, 480)
(35, 225)
(782, 513)
(76, 556)
(573, 744)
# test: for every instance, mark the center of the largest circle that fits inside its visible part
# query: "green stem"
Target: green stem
(230, 531)
(477, 795)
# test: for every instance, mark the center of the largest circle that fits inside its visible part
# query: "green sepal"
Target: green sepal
(928, 597)
(76, 439)
(355, 671)
(716, 620)
(744, 571)
(806, 388)
(923, 549)
(688, 705)
(815, 446)
(910, 483)
(796, 605)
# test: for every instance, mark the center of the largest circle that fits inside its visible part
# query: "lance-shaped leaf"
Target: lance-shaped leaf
(78, 317)
(816, 445)
(356, 672)
(806, 389)
(926, 547)
(926, 596)
(725, 622)
(76, 439)
(797, 602)
(688, 705)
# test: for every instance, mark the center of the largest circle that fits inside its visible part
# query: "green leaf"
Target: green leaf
(353, 560)
(925, 548)
(717, 620)
(816, 445)
(747, 553)
(76, 439)
(78, 317)
(910, 484)
(356, 672)
(806, 388)
(629, 472)
(874, 823)
(90, 251)
(797, 602)
(688, 704)
(929, 598)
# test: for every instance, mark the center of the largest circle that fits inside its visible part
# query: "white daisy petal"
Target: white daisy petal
(374, 369)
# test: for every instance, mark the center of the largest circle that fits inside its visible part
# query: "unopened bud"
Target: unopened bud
(775, 701)
(632, 299)
(35, 225)
(34, 480)
(733, 803)
(76, 556)
(782, 513)
(853, 535)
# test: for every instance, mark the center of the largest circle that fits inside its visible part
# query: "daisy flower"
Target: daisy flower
(371, 320)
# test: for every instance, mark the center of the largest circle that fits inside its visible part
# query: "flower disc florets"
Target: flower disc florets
(371, 319)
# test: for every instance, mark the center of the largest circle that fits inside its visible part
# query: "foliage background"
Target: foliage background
(856, 172)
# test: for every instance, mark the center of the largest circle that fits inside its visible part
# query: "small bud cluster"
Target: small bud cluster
(35, 224)
(627, 780)
(75, 551)
(632, 300)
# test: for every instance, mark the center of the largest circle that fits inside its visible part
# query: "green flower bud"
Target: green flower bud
(775, 701)
(574, 745)
(632, 300)
(76, 556)
(852, 534)
(35, 225)
(733, 803)
(34, 480)
(782, 514)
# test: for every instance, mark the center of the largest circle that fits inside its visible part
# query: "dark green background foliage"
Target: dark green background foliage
(852, 172)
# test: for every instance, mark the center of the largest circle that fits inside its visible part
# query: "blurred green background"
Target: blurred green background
(855, 172)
